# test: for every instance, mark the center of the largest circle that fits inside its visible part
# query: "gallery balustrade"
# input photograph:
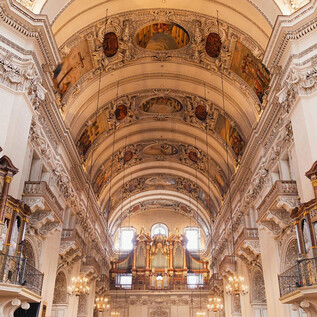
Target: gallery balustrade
(304, 273)
(16, 270)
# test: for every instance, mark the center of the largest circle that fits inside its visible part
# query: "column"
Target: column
(48, 266)
(271, 268)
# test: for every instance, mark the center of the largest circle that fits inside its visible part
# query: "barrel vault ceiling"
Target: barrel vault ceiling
(141, 94)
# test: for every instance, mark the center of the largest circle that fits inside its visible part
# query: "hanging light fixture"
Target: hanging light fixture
(102, 304)
(79, 286)
(236, 284)
(215, 304)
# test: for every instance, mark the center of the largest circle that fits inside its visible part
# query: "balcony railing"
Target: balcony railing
(73, 235)
(304, 273)
(41, 189)
(16, 270)
(284, 188)
(246, 234)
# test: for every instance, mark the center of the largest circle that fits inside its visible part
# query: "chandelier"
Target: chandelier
(79, 286)
(215, 304)
(115, 313)
(101, 304)
(236, 286)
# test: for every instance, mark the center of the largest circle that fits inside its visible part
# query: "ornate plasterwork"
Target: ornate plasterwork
(21, 76)
(60, 291)
(32, 27)
(300, 81)
(135, 114)
(126, 25)
(159, 312)
(117, 164)
(258, 287)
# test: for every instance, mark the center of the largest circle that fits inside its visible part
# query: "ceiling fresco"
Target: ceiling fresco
(161, 182)
(189, 109)
(159, 150)
(162, 37)
(161, 105)
(125, 37)
(158, 204)
(75, 64)
(250, 69)
(171, 37)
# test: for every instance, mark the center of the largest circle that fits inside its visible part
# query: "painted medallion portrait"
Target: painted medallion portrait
(75, 65)
(121, 112)
(161, 105)
(250, 69)
(213, 45)
(110, 44)
(162, 37)
(201, 112)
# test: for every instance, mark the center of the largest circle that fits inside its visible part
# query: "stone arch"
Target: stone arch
(257, 287)
(290, 254)
(60, 290)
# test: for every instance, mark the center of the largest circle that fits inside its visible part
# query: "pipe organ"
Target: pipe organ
(159, 263)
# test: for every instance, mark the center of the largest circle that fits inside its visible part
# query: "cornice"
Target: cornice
(32, 26)
(288, 28)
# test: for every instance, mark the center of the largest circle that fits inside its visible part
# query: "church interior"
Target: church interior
(158, 158)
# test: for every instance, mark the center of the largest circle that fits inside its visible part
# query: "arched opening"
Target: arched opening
(60, 299)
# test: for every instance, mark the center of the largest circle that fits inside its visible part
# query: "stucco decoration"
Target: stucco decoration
(291, 255)
(60, 291)
(153, 182)
(28, 253)
(159, 312)
(160, 150)
(157, 42)
(258, 288)
(82, 305)
(159, 104)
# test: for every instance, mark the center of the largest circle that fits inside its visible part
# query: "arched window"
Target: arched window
(126, 238)
(159, 228)
(193, 238)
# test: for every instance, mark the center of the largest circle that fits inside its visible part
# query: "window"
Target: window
(126, 239)
(193, 238)
(159, 228)
(124, 281)
(194, 280)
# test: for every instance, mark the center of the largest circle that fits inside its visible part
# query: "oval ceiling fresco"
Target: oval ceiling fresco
(163, 149)
(161, 105)
(110, 44)
(162, 37)
(213, 45)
